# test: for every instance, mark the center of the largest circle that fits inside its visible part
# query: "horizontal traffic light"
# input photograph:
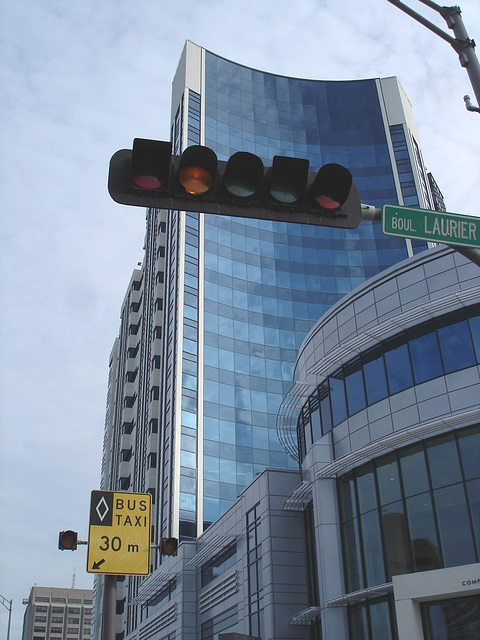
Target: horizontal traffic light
(67, 540)
(150, 176)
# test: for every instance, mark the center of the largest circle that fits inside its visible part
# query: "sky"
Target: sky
(79, 81)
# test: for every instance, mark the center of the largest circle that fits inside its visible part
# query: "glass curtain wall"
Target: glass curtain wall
(266, 283)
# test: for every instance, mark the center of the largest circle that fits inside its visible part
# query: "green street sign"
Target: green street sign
(432, 226)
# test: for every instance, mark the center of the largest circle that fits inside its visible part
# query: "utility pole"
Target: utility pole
(4, 601)
(462, 44)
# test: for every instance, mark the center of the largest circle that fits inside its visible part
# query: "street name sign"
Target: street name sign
(432, 226)
(119, 533)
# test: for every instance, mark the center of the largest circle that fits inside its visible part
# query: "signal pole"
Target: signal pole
(462, 44)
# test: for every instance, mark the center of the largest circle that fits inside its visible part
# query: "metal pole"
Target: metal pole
(109, 607)
(3, 600)
(9, 619)
(463, 45)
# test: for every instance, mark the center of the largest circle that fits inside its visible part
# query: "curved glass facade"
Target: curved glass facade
(432, 349)
(266, 283)
(415, 509)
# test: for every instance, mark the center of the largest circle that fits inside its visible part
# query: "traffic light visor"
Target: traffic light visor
(331, 187)
(288, 179)
(150, 163)
(243, 175)
(67, 540)
(197, 169)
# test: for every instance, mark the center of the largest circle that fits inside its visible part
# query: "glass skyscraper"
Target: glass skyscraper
(242, 294)
(214, 316)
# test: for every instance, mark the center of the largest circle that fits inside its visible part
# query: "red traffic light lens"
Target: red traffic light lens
(331, 187)
(195, 180)
(147, 182)
(150, 163)
(327, 203)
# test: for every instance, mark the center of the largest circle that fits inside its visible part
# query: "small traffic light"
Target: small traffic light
(67, 540)
(169, 546)
(150, 176)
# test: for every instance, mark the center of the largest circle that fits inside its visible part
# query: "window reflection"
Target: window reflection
(390, 526)
(433, 349)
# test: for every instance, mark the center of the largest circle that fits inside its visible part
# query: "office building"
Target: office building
(58, 614)
(377, 534)
(214, 316)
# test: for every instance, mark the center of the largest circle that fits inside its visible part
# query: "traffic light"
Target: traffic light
(150, 176)
(169, 546)
(67, 540)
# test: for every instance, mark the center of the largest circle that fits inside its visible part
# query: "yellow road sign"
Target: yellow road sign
(119, 533)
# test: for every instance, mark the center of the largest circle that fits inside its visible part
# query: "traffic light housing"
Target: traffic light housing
(67, 540)
(169, 546)
(150, 176)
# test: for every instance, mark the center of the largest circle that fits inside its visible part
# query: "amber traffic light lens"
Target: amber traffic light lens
(169, 546)
(195, 180)
(67, 540)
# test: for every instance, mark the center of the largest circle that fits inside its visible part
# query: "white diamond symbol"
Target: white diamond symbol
(102, 508)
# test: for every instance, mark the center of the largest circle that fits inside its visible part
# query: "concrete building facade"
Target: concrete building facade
(377, 534)
(58, 614)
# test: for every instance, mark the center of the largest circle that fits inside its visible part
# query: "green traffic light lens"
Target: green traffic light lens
(286, 194)
(244, 190)
(243, 175)
(288, 179)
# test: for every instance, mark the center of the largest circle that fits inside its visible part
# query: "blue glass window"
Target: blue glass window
(354, 386)
(399, 371)
(435, 348)
(394, 521)
(375, 376)
(456, 347)
(425, 358)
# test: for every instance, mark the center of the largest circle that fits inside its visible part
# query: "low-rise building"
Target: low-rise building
(58, 614)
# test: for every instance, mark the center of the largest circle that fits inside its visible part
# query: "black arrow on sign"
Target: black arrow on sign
(97, 565)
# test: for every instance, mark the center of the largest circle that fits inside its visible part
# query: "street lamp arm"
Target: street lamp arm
(426, 23)
(462, 44)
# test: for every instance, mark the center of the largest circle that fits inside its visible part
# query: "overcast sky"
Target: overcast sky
(79, 81)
